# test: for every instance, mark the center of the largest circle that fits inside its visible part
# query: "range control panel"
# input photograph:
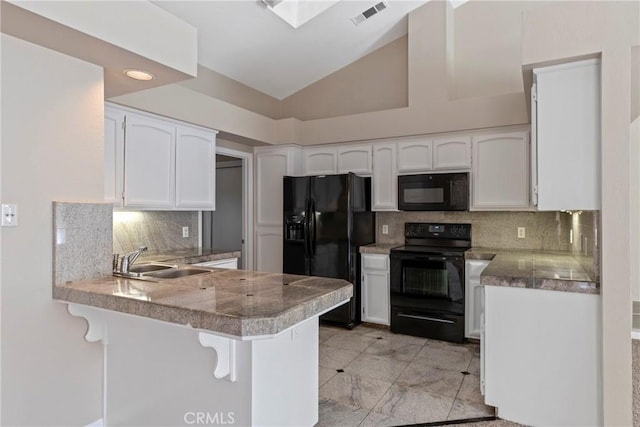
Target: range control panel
(427, 230)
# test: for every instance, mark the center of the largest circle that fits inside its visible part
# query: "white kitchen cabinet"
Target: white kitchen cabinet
(415, 155)
(149, 168)
(113, 155)
(474, 297)
(375, 288)
(452, 153)
(355, 158)
(543, 356)
(272, 164)
(320, 161)
(385, 181)
(228, 263)
(195, 168)
(500, 172)
(565, 148)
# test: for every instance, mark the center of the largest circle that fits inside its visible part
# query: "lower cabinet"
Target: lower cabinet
(474, 297)
(375, 288)
(229, 263)
(269, 249)
(543, 356)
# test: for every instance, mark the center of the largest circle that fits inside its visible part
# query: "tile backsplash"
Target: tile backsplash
(158, 230)
(549, 231)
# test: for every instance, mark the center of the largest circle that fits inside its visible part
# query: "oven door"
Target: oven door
(428, 281)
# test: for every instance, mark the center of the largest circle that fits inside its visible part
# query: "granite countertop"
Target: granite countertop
(232, 302)
(555, 271)
(188, 256)
(378, 248)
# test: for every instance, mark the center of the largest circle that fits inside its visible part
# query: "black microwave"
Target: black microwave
(433, 192)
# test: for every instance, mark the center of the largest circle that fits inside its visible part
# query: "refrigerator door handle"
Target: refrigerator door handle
(306, 229)
(312, 228)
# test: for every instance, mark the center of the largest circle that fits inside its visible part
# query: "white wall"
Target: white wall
(634, 201)
(52, 149)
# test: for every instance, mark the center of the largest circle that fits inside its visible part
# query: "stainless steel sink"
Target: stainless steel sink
(176, 273)
(146, 268)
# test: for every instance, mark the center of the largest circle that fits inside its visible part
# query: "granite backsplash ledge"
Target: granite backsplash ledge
(545, 231)
(160, 231)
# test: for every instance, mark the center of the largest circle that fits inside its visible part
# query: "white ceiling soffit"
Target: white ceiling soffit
(298, 12)
(245, 41)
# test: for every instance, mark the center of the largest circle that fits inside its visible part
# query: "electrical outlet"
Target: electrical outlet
(9, 215)
(185, 231)
(571, 237)
(521, 233)
(385, 229)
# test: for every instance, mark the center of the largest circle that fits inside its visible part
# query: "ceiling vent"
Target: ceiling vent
(360, 18)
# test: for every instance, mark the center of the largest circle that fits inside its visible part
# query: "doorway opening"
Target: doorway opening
(230, 226)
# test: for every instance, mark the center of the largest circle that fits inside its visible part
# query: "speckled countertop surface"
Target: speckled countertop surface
(233, 302)
(188, 256)
(378, 248)
(553, 271)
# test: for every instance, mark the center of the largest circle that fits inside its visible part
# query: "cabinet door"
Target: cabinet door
(568, 136)
(271, 167)
(113, 155)
(356, 159)
(474, 295)
(385, 180)
(149, 176)
(195, 168)
(269, 249)
(500, 172)
(319, 161)
(415, 155)
(452, 153)
(375, 289)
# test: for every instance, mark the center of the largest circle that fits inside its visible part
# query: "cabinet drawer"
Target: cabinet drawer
(375, 262)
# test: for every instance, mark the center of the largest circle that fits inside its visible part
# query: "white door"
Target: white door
(375, 289)
(319, 161)
(150, 163)
(356, 159)
(269, 249)
(415, 155)
(474, 298)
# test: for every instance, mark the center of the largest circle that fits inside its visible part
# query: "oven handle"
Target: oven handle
(432, 319)
(435, 258)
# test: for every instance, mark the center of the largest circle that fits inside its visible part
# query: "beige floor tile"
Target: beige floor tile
(445, 345)
(394, 338)
(431, 379)
(336, 358)
(324, 375)
(331, 414)
(393, 349)
(366, 329)
(414, 405)
(445, 359)
(470, 390)
(462, 409)
(350, 341)
(474, 366)
(371, 366)
(328, 332)
(375, 419)
(353, 390)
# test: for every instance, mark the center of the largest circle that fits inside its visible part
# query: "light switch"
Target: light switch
(9, 215)
(521, 233)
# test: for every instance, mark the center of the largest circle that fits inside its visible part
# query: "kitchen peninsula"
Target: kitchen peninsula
(157, 333)
(262, 326)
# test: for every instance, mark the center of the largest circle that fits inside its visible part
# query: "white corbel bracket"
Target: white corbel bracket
(97, 328)
(225, 349)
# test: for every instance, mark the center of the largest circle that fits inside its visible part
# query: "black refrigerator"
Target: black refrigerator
(326, 219)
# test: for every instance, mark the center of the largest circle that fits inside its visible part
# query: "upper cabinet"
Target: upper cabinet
(113, 155)
(500, 175)
(415, 155)
(452, 153)
(565, 149)
(320, 161)
(384, 183)
(156, 163)
(337, 159)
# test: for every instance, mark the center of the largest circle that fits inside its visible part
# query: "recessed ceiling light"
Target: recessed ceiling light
(139, 74)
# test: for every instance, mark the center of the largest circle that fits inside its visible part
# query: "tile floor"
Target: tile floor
(372, 377)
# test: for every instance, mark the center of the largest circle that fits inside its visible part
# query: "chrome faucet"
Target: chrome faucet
(128, 259)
